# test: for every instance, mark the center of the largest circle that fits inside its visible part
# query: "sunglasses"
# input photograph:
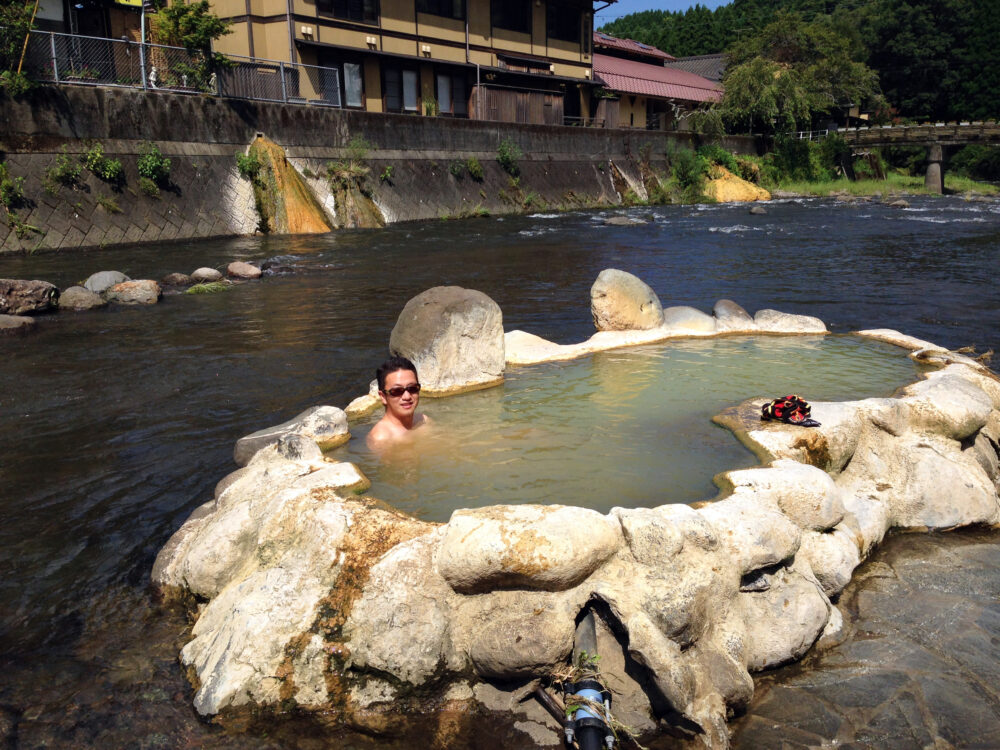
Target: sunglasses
(398, 390)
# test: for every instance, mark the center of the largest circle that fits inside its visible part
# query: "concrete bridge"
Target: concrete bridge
(935, 136)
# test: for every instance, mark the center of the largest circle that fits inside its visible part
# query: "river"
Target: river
(116, 424)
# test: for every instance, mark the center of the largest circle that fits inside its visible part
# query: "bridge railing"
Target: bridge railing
(959, 132)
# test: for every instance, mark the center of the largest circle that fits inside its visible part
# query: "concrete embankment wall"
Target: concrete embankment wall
(561, 168)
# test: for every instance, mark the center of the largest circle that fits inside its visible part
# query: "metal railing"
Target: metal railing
(65, 58)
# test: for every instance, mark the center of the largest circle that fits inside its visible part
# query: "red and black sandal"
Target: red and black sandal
(789, 409)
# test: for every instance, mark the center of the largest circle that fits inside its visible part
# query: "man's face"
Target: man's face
(396, 395)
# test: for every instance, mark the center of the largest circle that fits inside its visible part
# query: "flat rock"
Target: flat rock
(205, 275)
(550, 548)
(774, 321)
(20, 296)
(80, 298)
(684, 318)
(623, 221)
(454, 336)
(241, 270)
(899, 203)
(13, 325)
(326, 425)
(176, 279)
(620, 301)
(101, 281)
(143, 292)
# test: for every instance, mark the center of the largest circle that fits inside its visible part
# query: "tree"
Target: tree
(192, 26)
(15, 24)
(791, 73)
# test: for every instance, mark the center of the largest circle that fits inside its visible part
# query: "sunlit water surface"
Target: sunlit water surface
(629, 427)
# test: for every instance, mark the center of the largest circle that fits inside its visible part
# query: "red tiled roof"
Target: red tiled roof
(628, 45)
(633, 77)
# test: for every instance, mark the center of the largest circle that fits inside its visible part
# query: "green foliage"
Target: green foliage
(718, 155)
(208, 287)
(248, 165)
(65, 171)
(306, 172)
(109, 170)
(11, 188)
(148, 187)
(834, 153)
(430, 106)
(109, 204)
(14, 83)
(15, 22)
(358, 149)
(475, 168)
(386, 175)
(977, 161)
(152, 164)
(457, 168)
(689, 173)
(191, 25)
(508, 153)
(794, 159)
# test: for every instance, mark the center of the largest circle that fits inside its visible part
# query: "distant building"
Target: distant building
(712, 67)
(640, 91)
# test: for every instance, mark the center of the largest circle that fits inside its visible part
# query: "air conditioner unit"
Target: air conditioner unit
(307, 31)
(371, 41)
(425, 49)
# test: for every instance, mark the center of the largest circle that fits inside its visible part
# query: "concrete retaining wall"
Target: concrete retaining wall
(562, 167)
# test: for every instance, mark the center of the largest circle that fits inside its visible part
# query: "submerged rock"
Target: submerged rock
(620, 301)
(176, 279)
(13, 325)
(19, 296)
(206, 275)
(80, 298)
(454, 336)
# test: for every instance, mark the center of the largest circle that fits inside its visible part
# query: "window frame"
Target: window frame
(554, 8)
(499, 21)
(342, 10)
(400, 70)
(435, 8)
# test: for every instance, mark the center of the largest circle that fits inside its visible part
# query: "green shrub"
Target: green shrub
(508, 154)
(689, 172)
(834, 152)
(475, 168)
(457, 168)
(718, 155)
(152, 164)
(148, 187)
(248, 165)
(109, 204)
(66, 171)
(15, 84)
(11, 188)
(109, 170)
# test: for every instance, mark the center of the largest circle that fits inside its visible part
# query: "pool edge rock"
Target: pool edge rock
(322, 601)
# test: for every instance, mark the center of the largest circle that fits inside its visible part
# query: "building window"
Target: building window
(353, 85)
(400, 90)
(562, 21)
(514, 15)
(452, 94)
(446, 8)
(362, 11)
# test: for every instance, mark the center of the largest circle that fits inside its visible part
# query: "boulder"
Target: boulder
(454, 336)
(206, 275)
(684, 318)
(948, 405)
(144, 292)
(758, 211)
(176, 279)
(540, 547)
(806, 494)
(620, 301)
(101, 281)
(241, 270)
(12, 325)
(779, 322)
(623, 221)
(80, 298)
(731, 317)
(326, 425)
(19, 296)
(899, 203)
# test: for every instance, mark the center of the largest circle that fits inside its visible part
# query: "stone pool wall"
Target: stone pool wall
(420, 158)
(315, 598)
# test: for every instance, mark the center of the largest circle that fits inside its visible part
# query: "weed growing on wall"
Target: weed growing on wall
(475, 168)
(109, 170)
(152, 164)
(508, 154)
(109, 204)
(149, 188)
(11, 188)
(386, 175)
(65, 172)
(457, 169)
(248, 165)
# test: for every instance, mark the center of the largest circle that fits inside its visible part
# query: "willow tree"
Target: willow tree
(791, 73)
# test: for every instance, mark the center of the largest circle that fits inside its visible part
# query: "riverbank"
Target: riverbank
(894, 185)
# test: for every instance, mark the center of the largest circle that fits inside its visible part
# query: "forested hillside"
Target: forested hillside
(936, 59)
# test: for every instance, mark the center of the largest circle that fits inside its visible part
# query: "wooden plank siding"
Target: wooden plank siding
(512, 105)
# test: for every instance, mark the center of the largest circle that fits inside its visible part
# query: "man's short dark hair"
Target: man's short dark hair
(391, 365)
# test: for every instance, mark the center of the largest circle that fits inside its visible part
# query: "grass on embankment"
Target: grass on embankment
(893, 184)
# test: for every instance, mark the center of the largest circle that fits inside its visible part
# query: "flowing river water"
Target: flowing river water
(116, 424)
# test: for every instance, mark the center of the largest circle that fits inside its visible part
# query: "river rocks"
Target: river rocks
(101, 281)
(205, 275)
(241, 270)
(13, 325)
(19, 296)
(683, 318)
(729, 316)
(898, 203)
(779, 322)
(550, 548)
(454, 336)
(947, 404)
(620, 301)
(758, 211)
(624, 221)
(326, 425)
(176, 279)
(80, 298)
(145, 292)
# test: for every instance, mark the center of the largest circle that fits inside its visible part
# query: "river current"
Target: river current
(116, 424)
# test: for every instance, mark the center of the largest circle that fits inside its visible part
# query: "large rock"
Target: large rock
(80, 298)
(774, 321)
(242, 270)
(19, 296)
(13, 325)
(144, 292)
(543, 547)
(729, 316)
(684, 318)
(326, 425)
(101, 281)
(176, 279)
(206, 275)
(454, 336)
(620, 301)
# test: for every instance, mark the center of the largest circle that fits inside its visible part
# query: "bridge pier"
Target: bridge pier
(934, 179)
